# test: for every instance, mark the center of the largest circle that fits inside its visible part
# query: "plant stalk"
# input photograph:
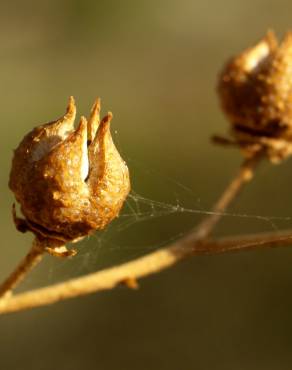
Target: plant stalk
(171, 254)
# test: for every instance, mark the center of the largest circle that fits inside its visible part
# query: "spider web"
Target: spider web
(144, 225)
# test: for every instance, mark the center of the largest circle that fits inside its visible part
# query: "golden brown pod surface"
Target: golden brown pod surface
(255, 89)
(69, 182)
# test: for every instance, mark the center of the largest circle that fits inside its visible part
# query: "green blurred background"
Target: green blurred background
(154, 64)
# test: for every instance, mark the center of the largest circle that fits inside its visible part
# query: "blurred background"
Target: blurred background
(154, 64)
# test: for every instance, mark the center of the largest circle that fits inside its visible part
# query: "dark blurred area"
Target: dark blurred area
(154, 64)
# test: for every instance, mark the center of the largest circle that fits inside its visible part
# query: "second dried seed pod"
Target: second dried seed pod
(255, 89)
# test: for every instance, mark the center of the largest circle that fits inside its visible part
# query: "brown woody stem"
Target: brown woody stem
(33, 257)
(39, 247)
(133, 270)
(141, 267)
(244, 175)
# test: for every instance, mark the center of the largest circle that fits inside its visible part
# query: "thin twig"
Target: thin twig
(39, 247)
(141, 267)
(245, 174)
(149, 264)
(33, 257)
(202, 231)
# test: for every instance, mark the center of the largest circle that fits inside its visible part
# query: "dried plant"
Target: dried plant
(70, 183)
(255, 90)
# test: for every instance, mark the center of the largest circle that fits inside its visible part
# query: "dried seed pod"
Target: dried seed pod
(69, 182)
(255, 89)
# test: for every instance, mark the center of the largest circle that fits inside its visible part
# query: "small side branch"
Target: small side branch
(149, 264)
(244, 175)
(39, 247)
(139, 268)
(33, 257)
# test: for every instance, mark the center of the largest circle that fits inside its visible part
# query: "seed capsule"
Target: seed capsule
(255, 89)
(69, 182)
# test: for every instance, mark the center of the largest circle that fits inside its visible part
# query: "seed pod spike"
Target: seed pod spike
(94, 120)
(82, 131)
(68, 162)
(109, 181)
(271, 39)
(249, 59)
(65, 124)
(97, 148)
(104, 128)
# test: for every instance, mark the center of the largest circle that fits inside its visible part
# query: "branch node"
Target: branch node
(130, 282)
